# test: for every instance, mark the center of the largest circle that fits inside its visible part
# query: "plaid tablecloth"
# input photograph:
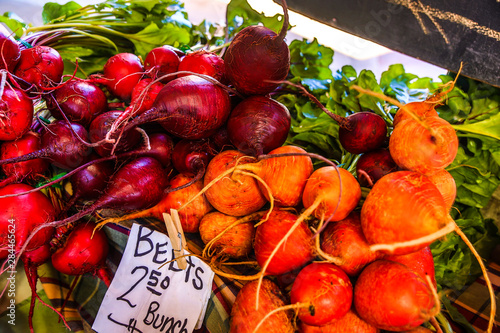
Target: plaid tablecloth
(82, 307)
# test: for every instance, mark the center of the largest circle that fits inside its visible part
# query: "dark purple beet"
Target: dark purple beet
(221, 139)
(65, 150)
(60, 146)
(258, 55)
(10, 53)
(139, 184)
(191, 157)
(162, 146)
(374, 165)
(99, 128)
(189, 107)
(90, 182)
(80, 101)
(362, 132)
(258, 125)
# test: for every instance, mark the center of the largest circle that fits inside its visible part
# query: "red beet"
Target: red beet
(390, 296)
(327, 288)
(373, 165)
(191, 157)
(10, 53)
(162, 147)
(203, 62)
(359, 132)
(143, 96)
(32, 169)
(137, 185)
(188, 107)
(90, 182)
(121, 73)
(162, 60)
(20, 215)
(16, 114)
(189, 215)
(84, 251)
(80, 101)
(41, 66)
(258, 125)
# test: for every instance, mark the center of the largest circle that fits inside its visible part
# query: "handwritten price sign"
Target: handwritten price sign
(146, 298)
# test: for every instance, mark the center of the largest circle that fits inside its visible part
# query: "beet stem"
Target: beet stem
(42, 153)
(104, 275)
(342, 121)
(72, 172)
(70, 291)
(197, 177)
(284, 28)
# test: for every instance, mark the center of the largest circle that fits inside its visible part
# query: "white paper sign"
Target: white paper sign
(146, 298)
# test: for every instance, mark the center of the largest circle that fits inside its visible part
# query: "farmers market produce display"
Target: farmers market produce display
(341, 203)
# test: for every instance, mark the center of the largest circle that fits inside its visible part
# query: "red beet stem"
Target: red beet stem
(342, 121)
(30, 156)
(104, 274)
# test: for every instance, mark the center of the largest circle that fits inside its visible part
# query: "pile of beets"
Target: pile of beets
(199, 132)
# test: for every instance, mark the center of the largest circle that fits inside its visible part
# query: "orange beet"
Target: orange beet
(350, 323)
(390, 296)
(403, 206)
(236, 242)
(421, 109)
(285, 176)
(345, 239)
(324, 185)
(327, 288)
(426, 147)
(245, 317)
(235, 194)
(421, 262)
(445, 183)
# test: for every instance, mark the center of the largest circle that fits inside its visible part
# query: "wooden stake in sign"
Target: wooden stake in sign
(176, 235)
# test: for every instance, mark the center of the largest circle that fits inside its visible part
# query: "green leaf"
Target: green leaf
(53, 11)
(489, 127)
(454, 263)
(152, 36)
(240, 15)
(310, 60)
(14, 23)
